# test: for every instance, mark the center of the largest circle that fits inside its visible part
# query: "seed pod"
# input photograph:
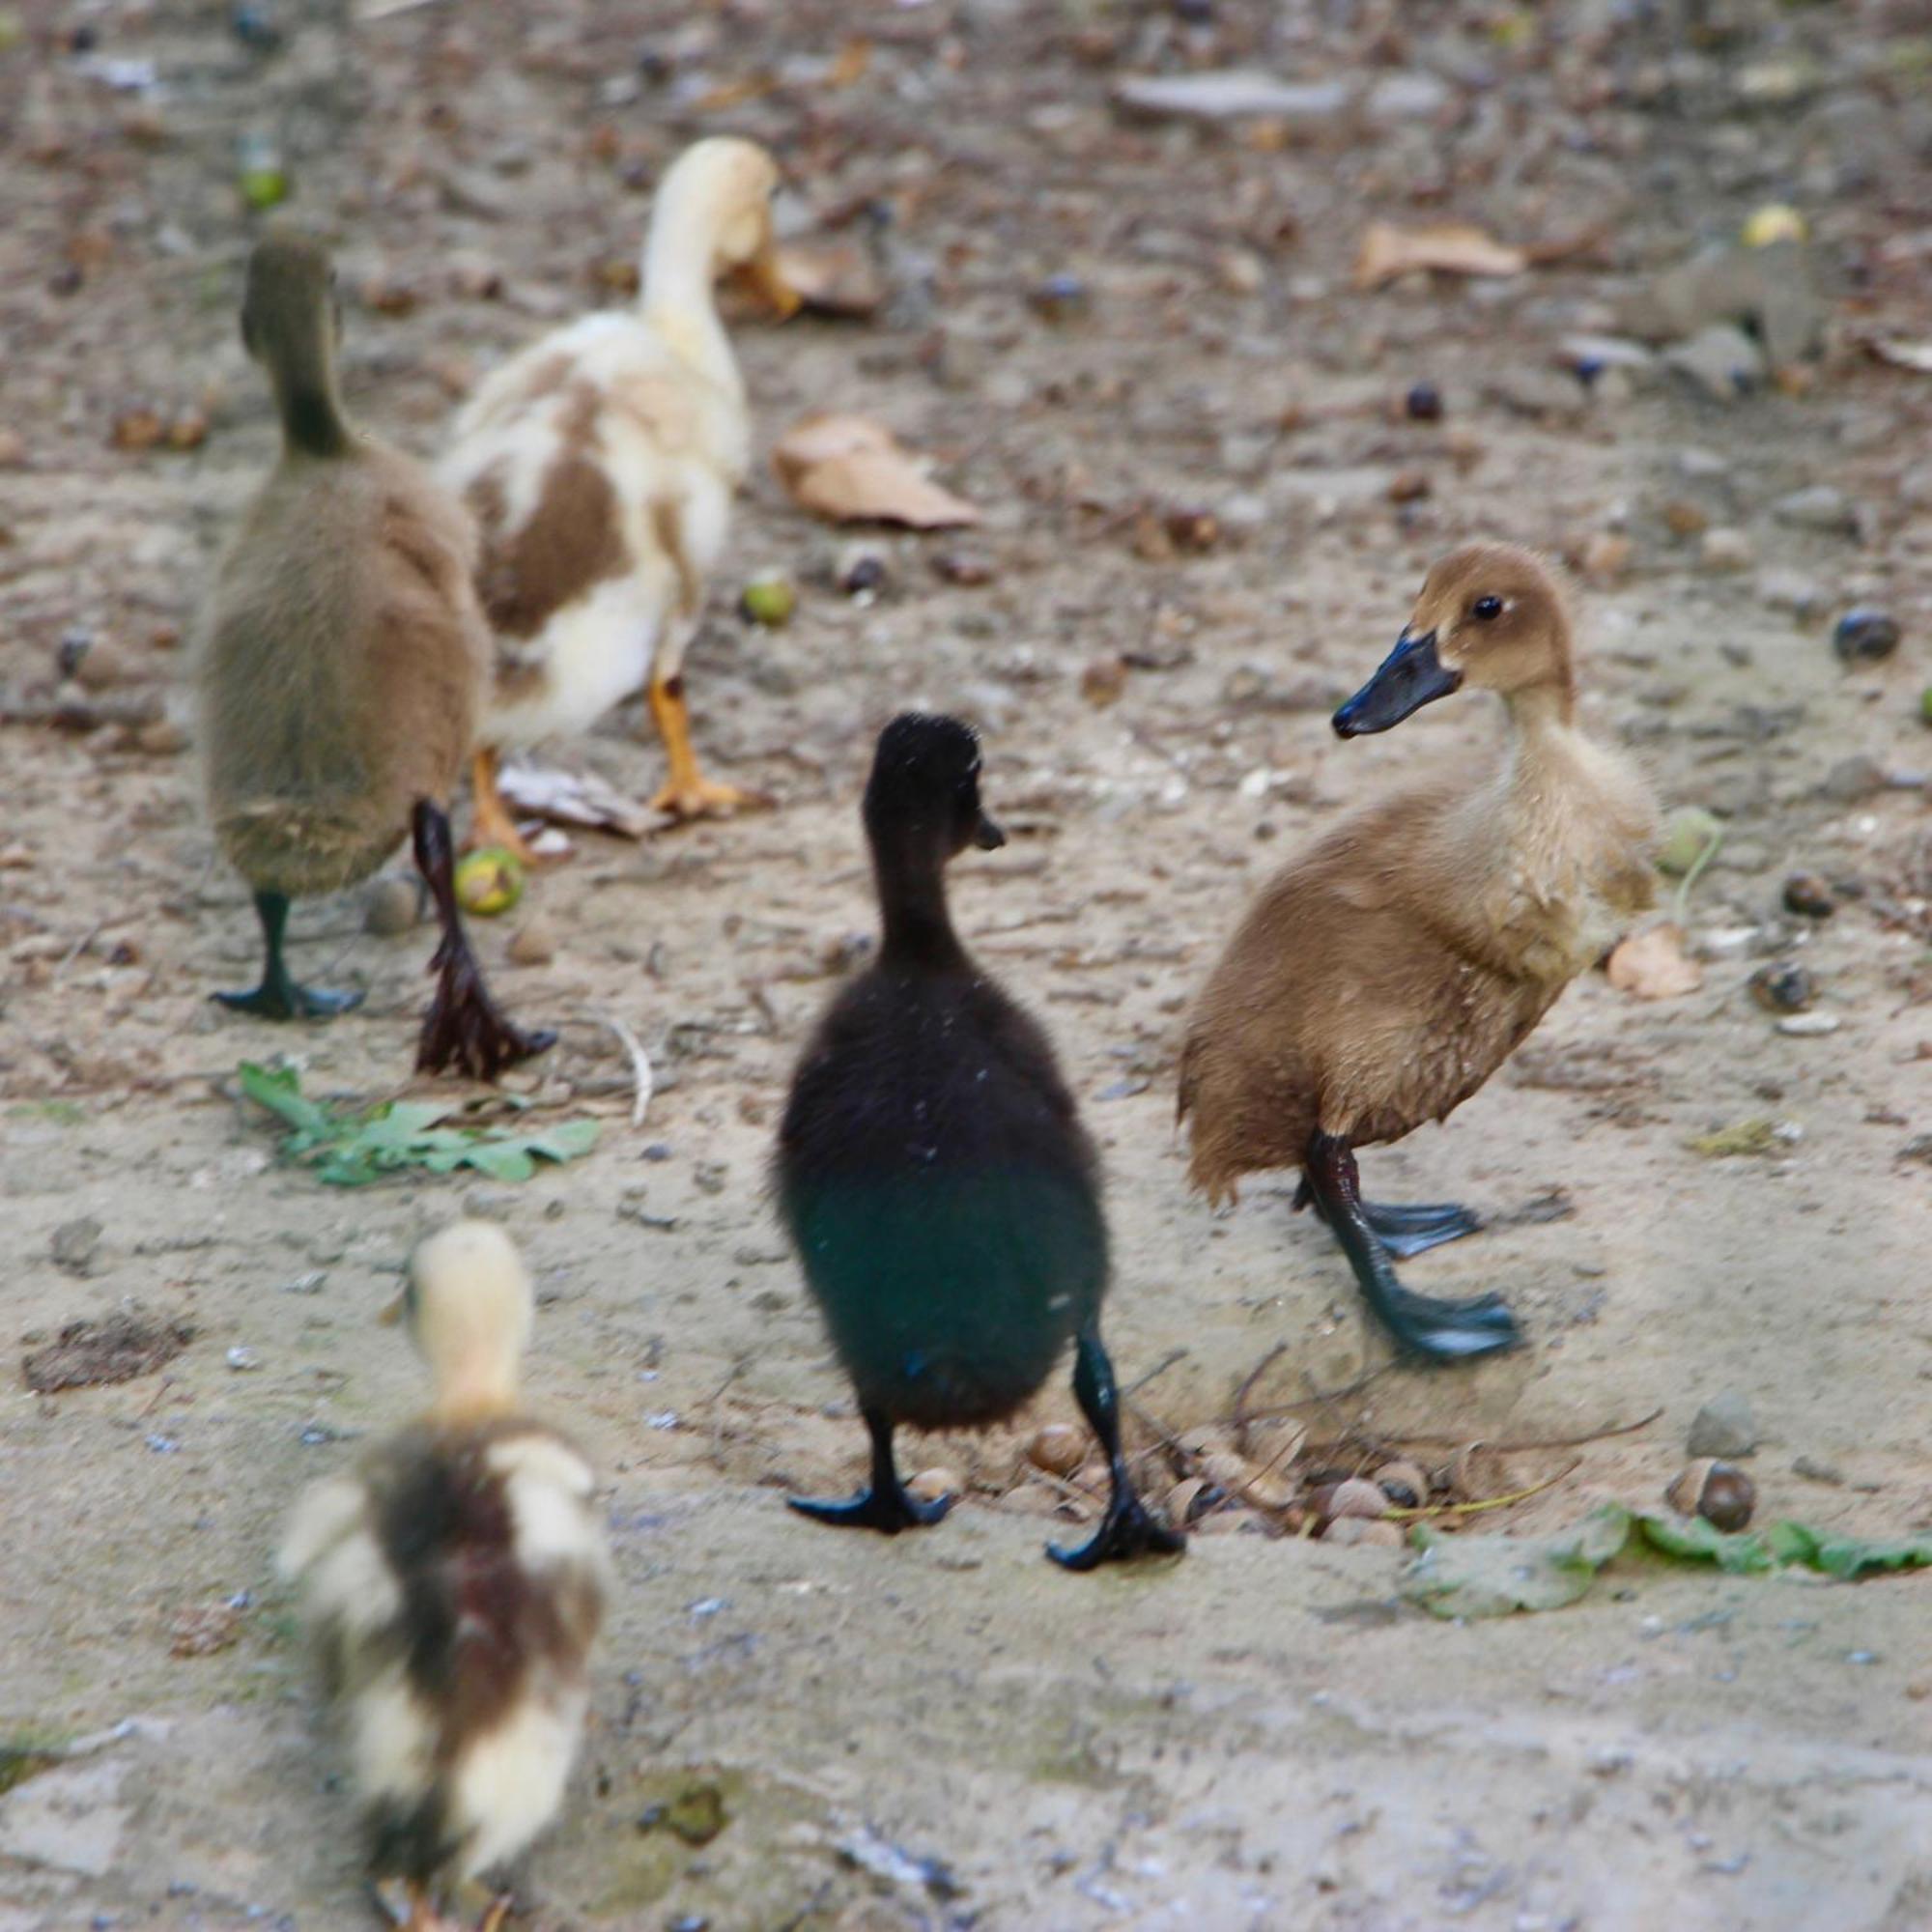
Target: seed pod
(1058, 1448)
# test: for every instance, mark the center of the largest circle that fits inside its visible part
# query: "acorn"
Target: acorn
(1403, 1484)
(1721, 1492)
(768, 598)
(1809, 895)
(1688, 833)
(1355, 1496)
(1782, 986)
(1359, 1529)
(930, 1485)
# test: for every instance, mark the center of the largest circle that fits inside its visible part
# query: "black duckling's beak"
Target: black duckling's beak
(1411, 676)
(987, 836)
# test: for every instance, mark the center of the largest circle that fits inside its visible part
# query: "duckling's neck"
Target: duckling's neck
(301, 368)
(917, 928)
(679, 297)
(473, 1391)
(1535, 711)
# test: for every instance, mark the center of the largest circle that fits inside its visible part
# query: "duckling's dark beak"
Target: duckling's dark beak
(987, 836)
(1411, 676)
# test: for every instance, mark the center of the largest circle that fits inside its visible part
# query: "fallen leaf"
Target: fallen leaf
(1901, 354)
(574, 798)
(849, 469)
(91, 1355)
(835, 277)
(1652, 965)
(1495, 1576)
(1846, 1557)
(204, 1628)
(1737, 1552)
(1450, 247)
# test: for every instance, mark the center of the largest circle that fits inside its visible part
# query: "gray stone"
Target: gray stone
(1407, 96)
(1724, 549)
(1792, 590)
(1723, 1427)
(1722, 359)
(1819, 506)
(1849, 780)
(1815, 1469)
(75, 1243)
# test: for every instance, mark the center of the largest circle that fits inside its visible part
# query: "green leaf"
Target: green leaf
(500, 1160)
(279, 1090)
(1493, 1575)
(1738, 1554)
(1848, 1557)
(565, 1141)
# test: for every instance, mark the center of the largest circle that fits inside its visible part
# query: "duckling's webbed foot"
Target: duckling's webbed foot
(1129, 1529)
(1406, 1230)
(884, 1505)
(463, 1027)
(1434, 1330)
(279, 997)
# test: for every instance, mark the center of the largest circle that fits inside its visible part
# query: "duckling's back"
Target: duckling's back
(455, 1586)
(944, 1197)
(340, 667)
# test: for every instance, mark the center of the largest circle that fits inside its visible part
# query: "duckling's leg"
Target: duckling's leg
(463, 1027)
(884, 1505)
(1439, 1330)
(279, 997)
(490, 820)
(686, 793)
(1127, 1529)
(1404, 1231)
(500, 1909)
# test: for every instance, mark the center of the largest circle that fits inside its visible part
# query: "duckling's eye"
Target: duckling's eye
(1486, 608)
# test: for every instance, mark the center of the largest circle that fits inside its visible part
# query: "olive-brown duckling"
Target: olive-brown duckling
(340, 664)
(454, 1584)
(1387, 970)
(933, 1174)
(602, 462)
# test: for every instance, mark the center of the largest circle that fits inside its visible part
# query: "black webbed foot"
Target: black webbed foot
(883, 1505)
(888, 1511)
(279, 996)
(1427, 1328)
(1127, 1530)
(289, 1001)
(1405, 1230)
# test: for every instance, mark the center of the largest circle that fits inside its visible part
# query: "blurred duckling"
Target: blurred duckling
(600, 462)
(1387, 970)
(933, 1172)
(340, 664)
(454, 1584)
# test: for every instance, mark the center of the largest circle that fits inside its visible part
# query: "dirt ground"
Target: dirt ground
(798, 1729)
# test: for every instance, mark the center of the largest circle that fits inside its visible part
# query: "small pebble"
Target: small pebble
(1058, 1448)
(242, 1360)
(930, 1485)
(1853, 779)
(966, 567)
(534, 941)
(860, 571)
(1815, 1469)
(75, 1243)
(1810, 1026)
(1423, 403)
(1809, 895)
(1725, 1427)
(1820, 507)
(1103, 680)
(1061, 299)
(1726, 550)
(1865, 636)
(391, 907)
(1782, 986)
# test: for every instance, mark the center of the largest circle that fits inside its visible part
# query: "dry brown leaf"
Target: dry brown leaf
(1652, 965)
(835, 277)
(849, 469)
(1451, 247)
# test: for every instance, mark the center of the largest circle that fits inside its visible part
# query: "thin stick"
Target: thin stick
(1323, 1398)
(1681, 904)
(641, 1066)
(1160, 1367)
(1487, 1503)
(1239, 1421)
(1396, 1435)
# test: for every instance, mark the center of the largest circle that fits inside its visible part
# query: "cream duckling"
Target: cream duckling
(454, 1584)
(600, 462)
(1387, 970)
(339, 667)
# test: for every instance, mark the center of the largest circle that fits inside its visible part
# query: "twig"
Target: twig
(1160, 1367)
(1396, 1435)
(1323, 1398)
(1239, 1421)
(1487, 1503)
(641, 1066)
(1681, 904)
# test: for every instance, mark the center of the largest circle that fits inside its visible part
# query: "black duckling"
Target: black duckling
(341, 665)
(1386, 972)
(454, 1584)
(933, 1172)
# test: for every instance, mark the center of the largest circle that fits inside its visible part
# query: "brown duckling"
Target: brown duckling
(341, 664)
(934, 1176)
(454, 1584)
(1386, 972)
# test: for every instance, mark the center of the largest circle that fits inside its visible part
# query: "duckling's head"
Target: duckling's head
(922, 799)
(717, 199)
(470, 1307)
(1490, 616)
